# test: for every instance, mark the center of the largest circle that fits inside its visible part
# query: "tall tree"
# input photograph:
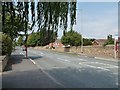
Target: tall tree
(50, 15)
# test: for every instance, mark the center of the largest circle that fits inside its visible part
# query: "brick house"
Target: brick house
(57, 43)
(99, 41)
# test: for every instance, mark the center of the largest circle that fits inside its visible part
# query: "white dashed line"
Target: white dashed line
(116, 83)
(81, 59)
(95, 67)
(115, 73)
(107, 64)
(32, 61)
(63, 59)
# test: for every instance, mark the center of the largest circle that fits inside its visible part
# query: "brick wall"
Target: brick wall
(99, 51)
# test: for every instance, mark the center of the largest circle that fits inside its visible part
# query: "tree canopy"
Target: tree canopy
(50, 15)
(71, 38)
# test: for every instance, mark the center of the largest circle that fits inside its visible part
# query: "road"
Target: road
(63, 70)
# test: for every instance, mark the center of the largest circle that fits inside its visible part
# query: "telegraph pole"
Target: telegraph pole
(81, 31)
(115, 46)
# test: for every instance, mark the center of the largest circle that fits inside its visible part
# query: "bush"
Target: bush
(20, 41)
(71, 38)
(32, 39)
(87, 42)
(6, 44)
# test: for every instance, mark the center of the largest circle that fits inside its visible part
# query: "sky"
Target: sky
(96, 20)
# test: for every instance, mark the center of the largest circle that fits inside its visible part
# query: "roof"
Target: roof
(100, 41)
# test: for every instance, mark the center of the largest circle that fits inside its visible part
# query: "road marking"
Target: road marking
(41, 53)
(117, 83)
(107, 64)
(111, 66)
(115, 73)
(52, 78)
(58, 67)
(81, 59)
(95, 67)
(32, 61)
(105, 59)
(63, 59)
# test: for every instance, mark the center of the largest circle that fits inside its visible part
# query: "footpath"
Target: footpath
(22, 73)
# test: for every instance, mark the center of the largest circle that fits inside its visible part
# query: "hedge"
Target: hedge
(5, 44)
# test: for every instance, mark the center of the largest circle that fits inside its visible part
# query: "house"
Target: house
(99, 41)
(57, 43)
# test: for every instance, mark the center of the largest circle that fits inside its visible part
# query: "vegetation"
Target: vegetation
(109, 41)
(41, 38)
(87, 42)
(71, 38)
(50, 15)
(20, 41)
(6, 42)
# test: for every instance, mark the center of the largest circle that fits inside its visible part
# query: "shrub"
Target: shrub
(6, 44)
(71, 38)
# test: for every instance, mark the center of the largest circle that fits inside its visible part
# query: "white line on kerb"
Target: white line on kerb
(32, 61)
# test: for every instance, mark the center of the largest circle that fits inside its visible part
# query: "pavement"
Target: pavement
(22, 73)
(48, 69)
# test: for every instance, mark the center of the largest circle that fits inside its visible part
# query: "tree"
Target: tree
(41, 38)
(6, 42)
(71, 38)
(87, 41)
(32, 39)
(109, 41)
(20, 41)
(49, 16)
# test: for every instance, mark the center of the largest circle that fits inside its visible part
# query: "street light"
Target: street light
(81, 29)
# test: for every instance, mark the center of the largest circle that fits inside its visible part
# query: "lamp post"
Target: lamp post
(81, 29)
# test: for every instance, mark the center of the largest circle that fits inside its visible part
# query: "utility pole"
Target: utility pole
(115, 46)
(81, 48)
(81, 30)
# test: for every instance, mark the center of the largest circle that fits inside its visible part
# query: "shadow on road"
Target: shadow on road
(14, 59)
(35, 57)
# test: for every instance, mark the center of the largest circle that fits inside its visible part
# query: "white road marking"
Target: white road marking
(41, 53)
(58, 67)
(32, 61)
(115, 73)
(52, 78)
(107, 64)
(105, 59)
(117, 83)
(95, 67)
(81, 59)
(110, 66)
(22, 53)
(63, 59)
